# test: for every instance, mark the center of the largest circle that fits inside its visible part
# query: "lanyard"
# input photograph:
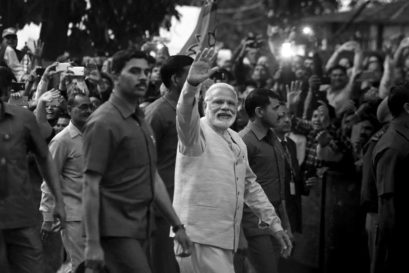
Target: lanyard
(290, 164)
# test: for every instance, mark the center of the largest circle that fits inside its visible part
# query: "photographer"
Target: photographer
(245, 58)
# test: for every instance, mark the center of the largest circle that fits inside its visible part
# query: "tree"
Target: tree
(115, 24)
(93, 26)
(236, 18)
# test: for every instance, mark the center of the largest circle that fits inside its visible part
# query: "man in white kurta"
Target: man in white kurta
(212, 175)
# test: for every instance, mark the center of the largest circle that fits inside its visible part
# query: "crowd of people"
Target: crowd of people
(252, 163)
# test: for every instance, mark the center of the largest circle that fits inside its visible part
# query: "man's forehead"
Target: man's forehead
(224, 93)
(137, 62)
(274, 102)
(282, 107)
(337, 72)
(63, 120)
(82, 100)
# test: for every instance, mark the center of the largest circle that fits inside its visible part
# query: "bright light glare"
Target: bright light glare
(159, 46)
(287, 50)
(300, 50)
(307, 30)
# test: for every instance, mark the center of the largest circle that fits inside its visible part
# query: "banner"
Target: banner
(204, 33)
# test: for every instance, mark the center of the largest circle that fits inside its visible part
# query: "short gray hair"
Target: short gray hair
(218, 86)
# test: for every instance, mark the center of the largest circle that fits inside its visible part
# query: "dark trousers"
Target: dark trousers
(162, 253)
(264, 253)
(53, 252)
(125, 255)
(21, 251)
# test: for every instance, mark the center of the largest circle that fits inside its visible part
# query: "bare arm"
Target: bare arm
(41, 88)
(386, 80)
(397, 57)
(40, 112)
(43, 84)
(332, 60)
(163, 202)
(96, 157)
(91, 207)
(49, 171)
(358, 56)
(94, 255)
(59, 154)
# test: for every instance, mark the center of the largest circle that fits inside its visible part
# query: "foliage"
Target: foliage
(104, 26)
(99, 26)
(113, 24)
(236, 18)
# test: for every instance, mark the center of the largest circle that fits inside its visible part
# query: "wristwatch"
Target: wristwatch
(176, 228)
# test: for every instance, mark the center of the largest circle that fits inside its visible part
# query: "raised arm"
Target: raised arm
(96, 157)
(332, 60)
(187, 112)
(358, 56)
(398, 56)
(43, 84)
(163, 202)
(40, 111)
(386, 80)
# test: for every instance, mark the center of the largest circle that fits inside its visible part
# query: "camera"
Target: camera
(62, 67)
(77, 70)
(40, 71)
(255, 41)
(17, 86)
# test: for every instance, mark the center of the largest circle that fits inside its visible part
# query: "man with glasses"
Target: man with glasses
(66, 150)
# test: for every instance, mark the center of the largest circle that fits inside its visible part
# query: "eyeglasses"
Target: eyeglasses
(84, 107)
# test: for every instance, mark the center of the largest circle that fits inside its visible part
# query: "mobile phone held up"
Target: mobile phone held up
(62, 67)
(19, 101)
(77, 70)
(40, 71)
(17, 86)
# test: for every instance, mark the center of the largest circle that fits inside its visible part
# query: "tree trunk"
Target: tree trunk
(54, 28)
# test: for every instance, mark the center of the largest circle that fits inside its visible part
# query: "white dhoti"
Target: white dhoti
(206, 259)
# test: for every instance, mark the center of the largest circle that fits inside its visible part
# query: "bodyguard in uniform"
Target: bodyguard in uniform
(121, 180)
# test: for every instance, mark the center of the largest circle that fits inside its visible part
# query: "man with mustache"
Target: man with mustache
(213, 179)
(121, 179)
(273, 166)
